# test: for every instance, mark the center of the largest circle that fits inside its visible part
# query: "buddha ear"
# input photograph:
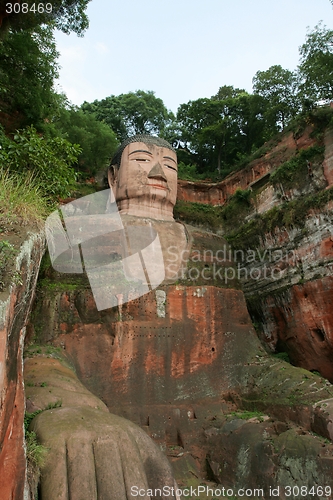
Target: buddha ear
(113, 177)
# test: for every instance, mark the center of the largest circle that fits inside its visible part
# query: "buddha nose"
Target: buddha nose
(157, 173)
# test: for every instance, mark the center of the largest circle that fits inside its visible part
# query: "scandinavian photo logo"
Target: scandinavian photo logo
(122, 262)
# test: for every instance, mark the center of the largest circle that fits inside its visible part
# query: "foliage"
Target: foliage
(48, 160)
(137, 112)
(198, 213)
(227, 216)
(316, 64)
(28, 68)
(28, 417)
(236, 209)
(321, 118)
(290, 214)
(279, 87)
(36, 453)
(220, 130)
(189, 172)
(97, 140)
(294, 173)
(66, 15)
(247, 415)
(282, 355)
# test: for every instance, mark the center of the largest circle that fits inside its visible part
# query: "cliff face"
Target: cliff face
(290, 297)
(254, 172)
(185, 364)
(300, 321)
(15, 307)
(285, 250)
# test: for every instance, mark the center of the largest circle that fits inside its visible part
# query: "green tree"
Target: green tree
(316, 64)
(28, 68)
(218, 131)
(66, 15)
(280, 89)
(137, 112)
(96, 139)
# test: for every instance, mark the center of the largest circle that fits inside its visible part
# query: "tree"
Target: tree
(137, 112)
(218, 131)
(66, 15)
(28, 68)
(316, 64)
(280, 89)
(96, 139)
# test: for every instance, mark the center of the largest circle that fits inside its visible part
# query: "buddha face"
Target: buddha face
(146, 182)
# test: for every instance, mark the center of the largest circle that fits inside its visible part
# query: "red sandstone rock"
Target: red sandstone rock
(148, 352)
(15, 309)
(328, 162)
(300, 321)
(218, 193)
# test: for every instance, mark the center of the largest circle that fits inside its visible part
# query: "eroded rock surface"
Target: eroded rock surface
(254, 172)
(15, 307)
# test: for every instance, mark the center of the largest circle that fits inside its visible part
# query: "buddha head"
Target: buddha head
(143, 177)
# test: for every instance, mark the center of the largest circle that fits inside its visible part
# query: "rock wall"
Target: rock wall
(289, 287)
(15, 307)
(184, 363)
(253, 173)
(328, 162)
(288, 282)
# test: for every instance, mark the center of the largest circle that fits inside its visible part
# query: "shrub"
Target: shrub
(189, 172)
(294, 173)
(47, 159)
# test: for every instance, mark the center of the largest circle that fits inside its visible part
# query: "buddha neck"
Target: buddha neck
(146, 208)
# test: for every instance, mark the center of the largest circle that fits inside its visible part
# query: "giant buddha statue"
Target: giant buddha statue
(166, 352)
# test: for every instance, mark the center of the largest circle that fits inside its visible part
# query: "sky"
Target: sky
(183, 49)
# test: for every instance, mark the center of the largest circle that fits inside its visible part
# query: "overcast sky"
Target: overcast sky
(183, 49)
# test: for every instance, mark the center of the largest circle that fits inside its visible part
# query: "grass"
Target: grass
(282, 355)
(22, 198)
(247, 415)
(46, 350)
(36, 453)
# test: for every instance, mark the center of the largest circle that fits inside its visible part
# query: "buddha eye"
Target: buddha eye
(172, 168)
(141, 159)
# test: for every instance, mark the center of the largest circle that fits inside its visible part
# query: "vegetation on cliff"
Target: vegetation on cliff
(21, 198)
(243, 234)
(294, 173)
(213, 136)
